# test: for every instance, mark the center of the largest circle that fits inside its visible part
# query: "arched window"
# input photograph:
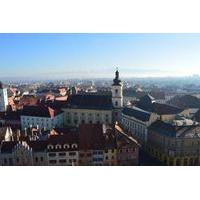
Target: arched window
(66, 146)
(74, 146)
(116, 91)
(50, 146)
(116, 103)
(58, 146)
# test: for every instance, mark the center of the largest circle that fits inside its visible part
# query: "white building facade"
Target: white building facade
(75, 117)
(42, 122)
(3, 98)
(136, 121)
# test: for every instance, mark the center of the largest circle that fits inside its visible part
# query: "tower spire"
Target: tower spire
(116, 80)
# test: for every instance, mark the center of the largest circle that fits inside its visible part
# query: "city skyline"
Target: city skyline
(65, 56)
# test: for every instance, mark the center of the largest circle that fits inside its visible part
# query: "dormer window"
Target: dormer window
(50, 146)
(58, 146)
(66, 146)
(74, 146)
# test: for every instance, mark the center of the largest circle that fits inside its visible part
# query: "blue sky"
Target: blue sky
(97, 55)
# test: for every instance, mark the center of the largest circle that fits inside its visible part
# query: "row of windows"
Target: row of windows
(65, 146)
(62, 161)
(106, 151)
(97, 159)
(62, 154)
(90, 114)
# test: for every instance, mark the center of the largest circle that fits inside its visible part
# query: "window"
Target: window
(66, 146)
(52, 154)
(62, 154)
(116, 103)
(50, 146)
(41, 159)
(36, 159)
(106, 157)
(72, 153)
(116, 91)
(52, 161)
(74, 146)
(17, 159)
(58, 146)
(83, 121)
(106, 151)
(5, 161)
(62, 160)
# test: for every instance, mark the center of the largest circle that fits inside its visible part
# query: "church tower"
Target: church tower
(3, 98)
(117, 97)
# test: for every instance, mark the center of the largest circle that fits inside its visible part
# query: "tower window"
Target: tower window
(116, 103)
(116, 91)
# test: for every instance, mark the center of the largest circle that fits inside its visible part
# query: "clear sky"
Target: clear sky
(97, 55)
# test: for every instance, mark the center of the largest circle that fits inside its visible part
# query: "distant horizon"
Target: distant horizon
(7, 79)
(89, 55)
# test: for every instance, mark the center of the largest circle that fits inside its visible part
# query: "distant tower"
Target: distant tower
(117, 97)
(3, 98)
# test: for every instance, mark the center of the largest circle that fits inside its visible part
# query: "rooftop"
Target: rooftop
(40, 111)
(171, 130)
(137, 113)
(99, 102)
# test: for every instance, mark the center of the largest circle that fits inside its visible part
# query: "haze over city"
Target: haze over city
(64, 56)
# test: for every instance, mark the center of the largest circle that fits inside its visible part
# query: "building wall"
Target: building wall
(22, 155)
(85, 157)
(117, 97)
(98, 157)
(75, 117)
(3, 99)
(172, 150)
(43, 122)
(40, 158)
(7, 159)
(127, 155)
(110, 157)
(63, 158)
(167, 118)
(138, 128)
